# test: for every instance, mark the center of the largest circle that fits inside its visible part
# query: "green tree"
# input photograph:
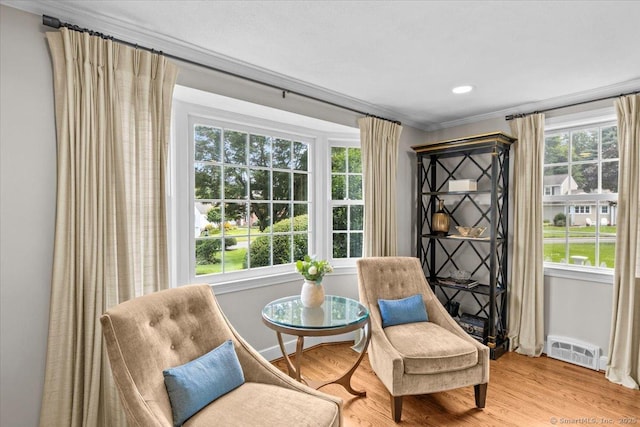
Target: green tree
(214, 215)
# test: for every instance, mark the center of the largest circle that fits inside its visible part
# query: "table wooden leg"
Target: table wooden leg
(345, 379)
(290, 367)
(299, 348)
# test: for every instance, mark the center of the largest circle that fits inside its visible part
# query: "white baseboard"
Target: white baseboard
(273, 353)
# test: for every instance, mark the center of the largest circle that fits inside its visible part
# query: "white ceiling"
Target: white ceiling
(398, 59)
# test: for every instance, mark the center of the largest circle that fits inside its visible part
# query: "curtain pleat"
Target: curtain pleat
(379, 146)
(624, 343)
(113, 110)
(526, 292)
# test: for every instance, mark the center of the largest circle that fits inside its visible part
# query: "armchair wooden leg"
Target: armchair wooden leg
(396, 408)
(481, 394)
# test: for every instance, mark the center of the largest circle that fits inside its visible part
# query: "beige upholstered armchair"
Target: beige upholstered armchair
(148, 334)
(420, 357)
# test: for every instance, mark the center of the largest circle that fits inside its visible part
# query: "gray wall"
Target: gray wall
(27, 213)
(27, 210)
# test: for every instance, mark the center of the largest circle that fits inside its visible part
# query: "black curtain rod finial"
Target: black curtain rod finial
(50, 21)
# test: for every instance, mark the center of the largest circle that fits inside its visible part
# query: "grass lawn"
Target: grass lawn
(233, 260)
(555, 252)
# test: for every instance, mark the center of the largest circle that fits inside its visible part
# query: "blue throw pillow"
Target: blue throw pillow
(195, 384)
(400, 311)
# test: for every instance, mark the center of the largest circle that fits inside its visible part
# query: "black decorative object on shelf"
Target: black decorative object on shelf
(481, 163)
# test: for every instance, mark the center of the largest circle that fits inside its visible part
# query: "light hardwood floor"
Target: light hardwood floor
(522, 392)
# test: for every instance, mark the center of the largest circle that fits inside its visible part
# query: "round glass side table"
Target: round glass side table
(337, 315)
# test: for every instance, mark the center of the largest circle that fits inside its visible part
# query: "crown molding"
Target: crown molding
(558, 102)
(119, 29)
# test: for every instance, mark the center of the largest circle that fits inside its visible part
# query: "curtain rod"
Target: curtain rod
(50, 21)
(517, 116)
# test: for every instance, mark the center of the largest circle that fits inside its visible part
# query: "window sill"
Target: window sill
(584, 274)
(236, 285)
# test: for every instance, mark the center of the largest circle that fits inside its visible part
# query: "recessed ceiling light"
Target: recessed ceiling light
(462, 89)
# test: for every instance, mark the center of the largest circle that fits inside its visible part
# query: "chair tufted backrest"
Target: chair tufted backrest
(148, 334)
(390, 278)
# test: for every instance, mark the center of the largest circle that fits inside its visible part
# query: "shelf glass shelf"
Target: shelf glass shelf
(456, 237)
(479, 289)
(454, 193)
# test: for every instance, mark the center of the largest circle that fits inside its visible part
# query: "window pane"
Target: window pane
(300, 246)
(300, 221)
(208, 255)
(556, 170)
(607, 229)
(260, 251)
(261, 215)
(207, 181)
(207, 143)
(235, 214)
(300, 209)
(610, 142)
(281, 186)
(582, 242)
(235, 251)
(610, 177)
(338, 159)
(260, 150)
(300, 187)
(338, 187)
(556, 148)
(340, 218)
(235, 147)
(260, 184)
(357, 217)
(355, 245)
(282, 253)
(355, 187)
(339, 245)
(555, 231)
(235, 183)
(282, 211)
(556, 181)
(300, 156)
(584, 144)
(207, 219)
(355, 161)
(282, 154)
(586, 177)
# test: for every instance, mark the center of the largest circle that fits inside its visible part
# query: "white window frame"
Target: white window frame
(601, 117)
(342, 143)
(181, 201)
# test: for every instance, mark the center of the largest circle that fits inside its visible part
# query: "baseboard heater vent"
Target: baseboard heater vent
(573, 351)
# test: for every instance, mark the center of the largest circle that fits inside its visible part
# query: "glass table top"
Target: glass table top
(335, 312)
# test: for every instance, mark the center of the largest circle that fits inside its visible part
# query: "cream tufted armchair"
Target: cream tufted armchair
(421, 357)
(148, 334)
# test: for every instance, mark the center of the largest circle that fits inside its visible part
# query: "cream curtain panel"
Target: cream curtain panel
(526, 294)
(624, 343)
(379, 144)
(113, 106)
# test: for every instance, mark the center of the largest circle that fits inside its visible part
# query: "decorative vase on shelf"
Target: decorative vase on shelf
(440, 221)
(312, 294)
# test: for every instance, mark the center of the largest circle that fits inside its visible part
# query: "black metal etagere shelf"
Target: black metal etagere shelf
(484, 159)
